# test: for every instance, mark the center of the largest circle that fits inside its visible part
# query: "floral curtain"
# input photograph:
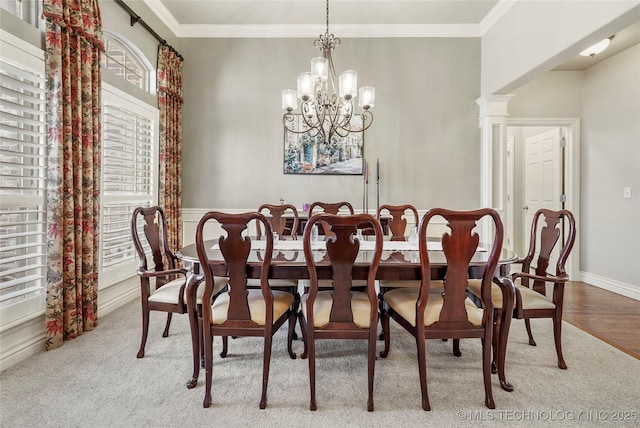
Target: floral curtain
(170, 104)
(73, 46)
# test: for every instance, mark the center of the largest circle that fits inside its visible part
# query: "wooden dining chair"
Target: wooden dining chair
(277, 217)
(400, 217)
(400, 214)
(330, 208)
(157, 263)
(276, 214)
(451, 315)
(241, 311)
(531, 294)
(341, 312)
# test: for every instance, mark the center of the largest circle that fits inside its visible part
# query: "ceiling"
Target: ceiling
(351, 18)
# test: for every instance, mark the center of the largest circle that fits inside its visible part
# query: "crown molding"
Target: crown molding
(494, 15)
(353, 31)
(342, 31)
(165, 16)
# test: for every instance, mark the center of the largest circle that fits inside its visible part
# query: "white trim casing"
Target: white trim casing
(572, 173)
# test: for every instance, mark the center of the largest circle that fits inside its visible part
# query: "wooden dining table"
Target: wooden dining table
(400, 261)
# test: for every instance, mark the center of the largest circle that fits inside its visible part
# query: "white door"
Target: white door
(543, 177)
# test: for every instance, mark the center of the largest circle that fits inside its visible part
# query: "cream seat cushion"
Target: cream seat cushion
(168, 293)
(360, 308)
(530, 299)
(281, 303)
(403, 301)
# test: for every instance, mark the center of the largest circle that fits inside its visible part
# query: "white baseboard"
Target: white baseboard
(21, 342)
(628, 290)
(27, 338)
(117, 295)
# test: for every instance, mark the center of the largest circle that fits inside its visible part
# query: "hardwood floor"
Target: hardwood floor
(610, 317)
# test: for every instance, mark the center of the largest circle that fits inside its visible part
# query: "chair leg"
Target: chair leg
(496, 338)
(290, 334)
(296, 308)
(145, 329)
(557, 336)
(486, 371)
(165, 333)
(197, 348)
(456, 347)
(311, 355)
(527, 324)
(380, 312)
(384, 320)
(268, 336)
(208, 358)
(304, 335)
(501, 331)
(225, 346)
(201, 341)
(422, 368)
(371, 366)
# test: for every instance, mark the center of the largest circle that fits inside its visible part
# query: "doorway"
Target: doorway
(542, 170)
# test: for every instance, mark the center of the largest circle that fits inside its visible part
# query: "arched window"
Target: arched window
(125, 61)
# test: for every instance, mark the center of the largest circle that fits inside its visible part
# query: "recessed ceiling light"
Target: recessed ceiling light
(597, 48)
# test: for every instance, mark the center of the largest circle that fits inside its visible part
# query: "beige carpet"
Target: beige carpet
(96, 381)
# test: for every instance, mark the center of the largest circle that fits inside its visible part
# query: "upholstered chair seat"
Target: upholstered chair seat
(360, 308)
(169, 292)
(531, 299)
(281, 303)
(403, 302)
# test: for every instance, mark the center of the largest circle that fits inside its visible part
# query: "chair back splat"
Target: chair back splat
(399, 215)
(330, 208)
(276, 215)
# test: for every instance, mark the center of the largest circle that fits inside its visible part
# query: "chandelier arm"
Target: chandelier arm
(367, 119)
(289, 118)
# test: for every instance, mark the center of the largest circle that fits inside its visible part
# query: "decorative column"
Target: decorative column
(493, 125)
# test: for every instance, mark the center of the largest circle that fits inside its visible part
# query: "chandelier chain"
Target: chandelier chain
(327, 17)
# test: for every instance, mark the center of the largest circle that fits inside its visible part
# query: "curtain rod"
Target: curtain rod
(135, 18)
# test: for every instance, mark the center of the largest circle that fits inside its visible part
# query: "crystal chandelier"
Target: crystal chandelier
(325, 111)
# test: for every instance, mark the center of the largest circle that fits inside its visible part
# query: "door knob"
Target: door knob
(525, 207)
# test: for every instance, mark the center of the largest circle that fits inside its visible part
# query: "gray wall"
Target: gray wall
(606, 97)
(425, 129)
(611, 161)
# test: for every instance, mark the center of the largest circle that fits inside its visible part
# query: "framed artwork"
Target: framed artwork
(306, 153)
